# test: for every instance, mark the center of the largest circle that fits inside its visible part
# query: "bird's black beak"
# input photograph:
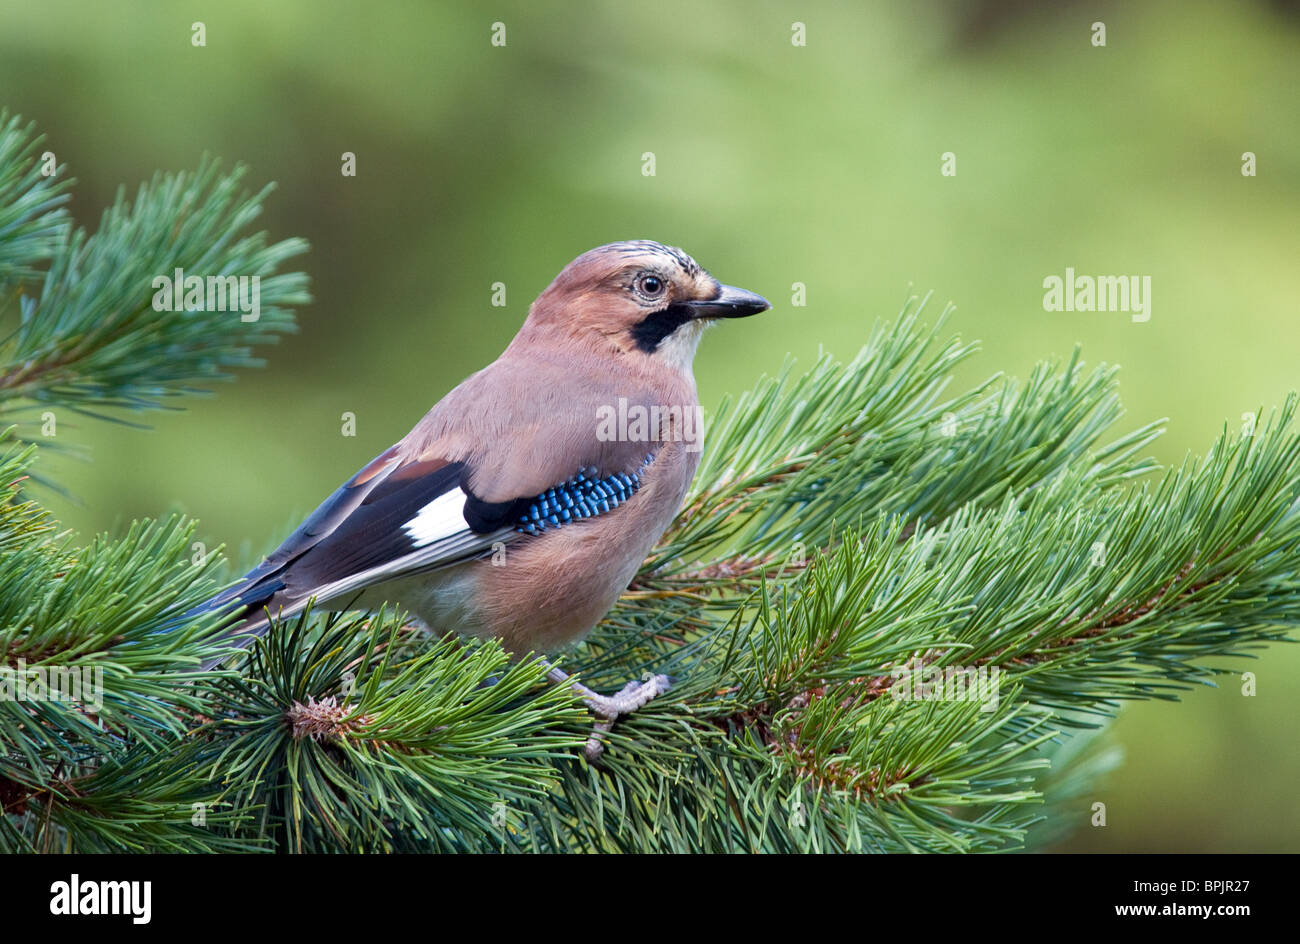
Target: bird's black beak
(730, 302)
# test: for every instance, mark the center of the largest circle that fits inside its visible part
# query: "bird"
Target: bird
(515, 509)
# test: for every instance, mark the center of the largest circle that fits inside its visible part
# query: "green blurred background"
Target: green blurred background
(775, 164)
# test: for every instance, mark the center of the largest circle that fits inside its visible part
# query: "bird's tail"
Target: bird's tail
(243, 608)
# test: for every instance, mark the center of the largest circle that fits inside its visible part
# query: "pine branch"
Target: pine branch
(1199, 566)
(94, 340)
(96, 688)
(86, 670)
(32, 217)
(873, 436)
(350, 734)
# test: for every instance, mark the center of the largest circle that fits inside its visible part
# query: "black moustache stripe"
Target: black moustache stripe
(650, 331)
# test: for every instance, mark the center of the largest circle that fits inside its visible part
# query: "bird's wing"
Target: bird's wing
(460, 482)
(398, 518)
(393, 517)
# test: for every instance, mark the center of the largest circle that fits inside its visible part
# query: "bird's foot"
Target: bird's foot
(607, 708)
(631, 697)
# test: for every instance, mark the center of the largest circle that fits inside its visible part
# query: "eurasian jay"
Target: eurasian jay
(515, 509)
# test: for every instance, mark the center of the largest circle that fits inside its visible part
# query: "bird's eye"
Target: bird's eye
(650, 285)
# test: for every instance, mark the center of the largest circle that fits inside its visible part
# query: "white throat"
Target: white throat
(678, 349)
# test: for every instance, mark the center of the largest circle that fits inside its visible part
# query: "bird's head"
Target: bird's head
(645, 298)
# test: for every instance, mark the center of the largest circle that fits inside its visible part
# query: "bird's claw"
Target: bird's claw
(607, 709)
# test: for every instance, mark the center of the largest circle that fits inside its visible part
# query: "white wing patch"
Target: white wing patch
(441, 518)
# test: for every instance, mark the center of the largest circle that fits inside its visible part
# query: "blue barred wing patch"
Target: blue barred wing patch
(584, 495)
